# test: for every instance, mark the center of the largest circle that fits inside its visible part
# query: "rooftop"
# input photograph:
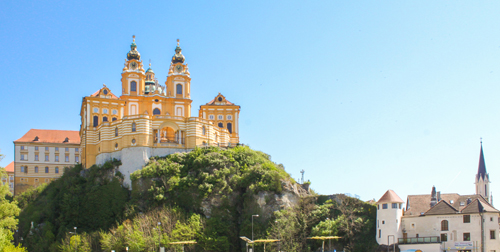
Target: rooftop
(50, 136)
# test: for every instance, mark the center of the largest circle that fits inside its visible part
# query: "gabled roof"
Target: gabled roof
(219, 100)
(109, 94)
(479, 206)
(481, 169)
(442, 207)
(390, 197)
(418, 204)
(50, 136)
(10, 167)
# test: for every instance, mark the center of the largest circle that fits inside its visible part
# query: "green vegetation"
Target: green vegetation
(8, 212)
(207, 195)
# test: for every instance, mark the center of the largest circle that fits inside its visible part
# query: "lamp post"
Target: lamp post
(254, 215)
(159, 236)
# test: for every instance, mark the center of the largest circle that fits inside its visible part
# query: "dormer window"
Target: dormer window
(105, 92)
(66, 140)
(451, 201)
(36, 138)
(220, 99)
(462, 203)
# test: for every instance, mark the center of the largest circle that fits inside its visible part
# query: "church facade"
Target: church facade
(441, 222)
(150, 119)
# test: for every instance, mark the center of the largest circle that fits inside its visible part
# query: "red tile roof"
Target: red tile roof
(10, 167)
(50, 136)
(390, 197)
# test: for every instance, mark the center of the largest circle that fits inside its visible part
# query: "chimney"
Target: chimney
(433, 196)
(438, 196)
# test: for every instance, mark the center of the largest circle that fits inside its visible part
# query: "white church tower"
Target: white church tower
(482, 178)
(389, 212)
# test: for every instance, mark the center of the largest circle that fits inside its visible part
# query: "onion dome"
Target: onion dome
(133, 54)
(178, 57)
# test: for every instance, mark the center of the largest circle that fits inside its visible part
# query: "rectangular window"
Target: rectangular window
(76, 159)
(492, 235)
(57, 158)
(57, 169)
(46, 148)
(384, 206)
(46, 169)
(380, 233)
(444, 237)
(57, 148)
(466, 236)
(76, 149)
(22, 156)
(47, 158)
(22, 169)
(66, 149)
(36, 157)
(466, 218)
(36, 148)
(36, 169)
(22, 147)
(394, 205)
(400, 205)
(66, 158)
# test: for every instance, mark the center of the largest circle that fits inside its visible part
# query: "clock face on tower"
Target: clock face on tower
(133, 65)
(178, 68)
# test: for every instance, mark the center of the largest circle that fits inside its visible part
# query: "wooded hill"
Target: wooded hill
(207, 195)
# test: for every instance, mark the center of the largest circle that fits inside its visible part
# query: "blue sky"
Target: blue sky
(364, 96)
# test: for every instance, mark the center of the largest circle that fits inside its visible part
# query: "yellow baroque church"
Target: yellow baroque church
(150, 119)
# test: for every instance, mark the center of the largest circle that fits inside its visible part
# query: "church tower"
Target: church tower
(178, 84)
(482, 178)
(133, 76)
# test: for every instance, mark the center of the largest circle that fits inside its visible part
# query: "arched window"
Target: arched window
(133, 86)
(178, 87)
(114, 119)
(220, 125)
(96, 121)
(230, 127)
(203, 130)
(156, 111)
(116, 131)
(444, 225)
(46, 169)
(133, 127)
(105, 119)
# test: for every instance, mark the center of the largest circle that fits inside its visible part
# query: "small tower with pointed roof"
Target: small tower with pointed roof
(482, 180)
(389, 212)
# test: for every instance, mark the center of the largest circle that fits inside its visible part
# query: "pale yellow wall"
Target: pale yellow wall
(28, 178)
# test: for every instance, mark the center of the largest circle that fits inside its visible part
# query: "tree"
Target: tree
(8, 212)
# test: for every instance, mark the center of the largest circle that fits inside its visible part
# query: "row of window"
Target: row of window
(47, 148)
(105, 111)
(24, 169)
(221, 125)
(394, 206)
(220, 117)
(36, 180)
(466, 236)
(24, 157)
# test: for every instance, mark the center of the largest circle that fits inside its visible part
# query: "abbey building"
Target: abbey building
(151, 119)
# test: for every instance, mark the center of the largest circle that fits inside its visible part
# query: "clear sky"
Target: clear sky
(364, 96)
